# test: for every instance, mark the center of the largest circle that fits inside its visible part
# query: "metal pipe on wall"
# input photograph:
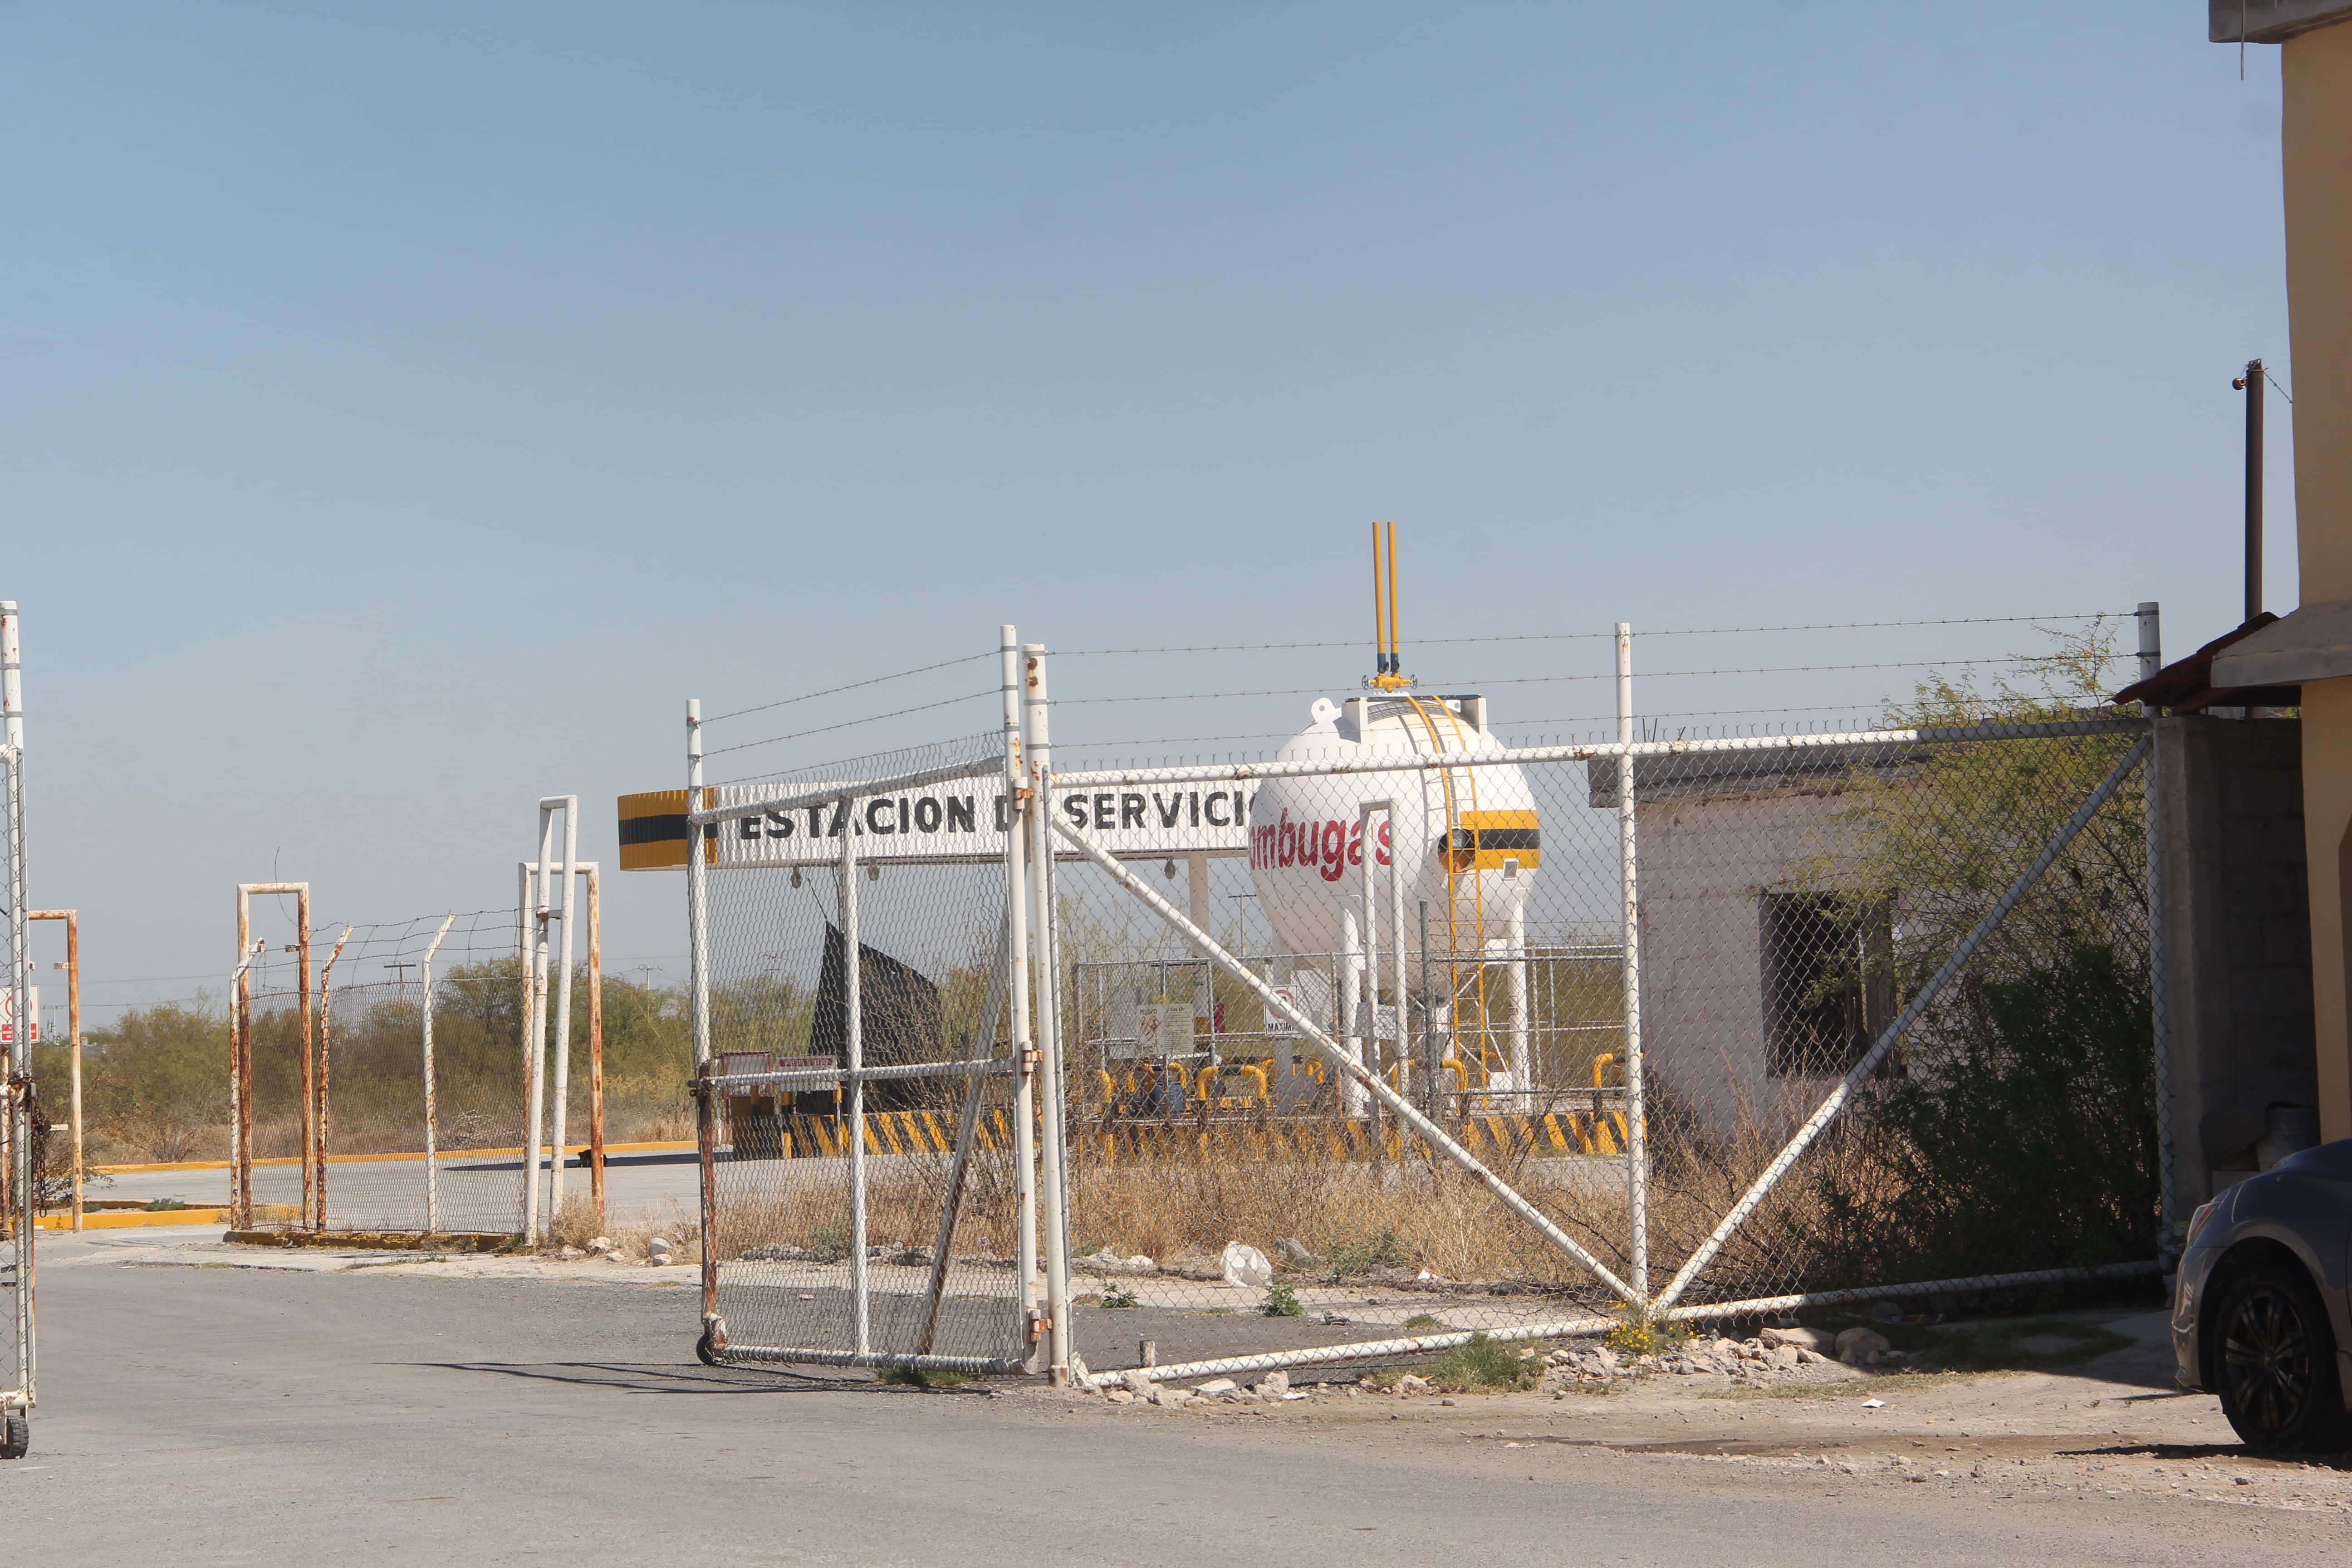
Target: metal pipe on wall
(2250, 384)
(2150, 616)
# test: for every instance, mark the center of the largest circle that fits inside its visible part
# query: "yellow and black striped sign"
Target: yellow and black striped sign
(1487, 839)
(654, 832)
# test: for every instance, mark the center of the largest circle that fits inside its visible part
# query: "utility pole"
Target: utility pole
(2250, 384)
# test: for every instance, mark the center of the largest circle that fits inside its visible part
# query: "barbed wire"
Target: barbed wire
(853, 724)
(1474, 682)
(852, 686)
(1601, 637)
(1498, 724)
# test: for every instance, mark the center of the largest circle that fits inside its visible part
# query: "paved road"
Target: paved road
(477, 1194)
(229, 1414)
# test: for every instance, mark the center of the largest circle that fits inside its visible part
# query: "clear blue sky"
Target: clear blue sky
(407, 407)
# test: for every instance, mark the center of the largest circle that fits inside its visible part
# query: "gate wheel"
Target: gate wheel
(18, 1440)
(713, 1341)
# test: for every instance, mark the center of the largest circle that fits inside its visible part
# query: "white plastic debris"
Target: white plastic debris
(1246, 1266)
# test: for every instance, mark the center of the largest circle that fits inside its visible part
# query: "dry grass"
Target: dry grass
(1412, 1215)
(1361, 1219)
(806, 1205)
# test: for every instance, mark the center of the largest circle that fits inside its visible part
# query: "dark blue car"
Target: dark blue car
(2259, 1316)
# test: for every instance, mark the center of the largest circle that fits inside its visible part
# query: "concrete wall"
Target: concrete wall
(2317, 143)
(1706, 861)
(2238, 980)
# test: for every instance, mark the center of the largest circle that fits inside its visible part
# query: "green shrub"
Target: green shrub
(1352, 1256)
(1281, 1302)
(1484, 1366)
(2022, 1134)
(831, 1241)
(910, 1377)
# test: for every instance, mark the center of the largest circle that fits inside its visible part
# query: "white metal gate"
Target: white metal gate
(1519, 1041)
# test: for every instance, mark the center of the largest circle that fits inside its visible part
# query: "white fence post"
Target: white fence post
(853, 1054)
(1637, 1136)
(431, 1164)
(1052, 1174)
(534, 1045)
(1019, 802)
(560, 1091)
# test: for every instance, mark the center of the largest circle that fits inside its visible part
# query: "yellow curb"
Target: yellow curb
(117, 1221)
(515, 1152)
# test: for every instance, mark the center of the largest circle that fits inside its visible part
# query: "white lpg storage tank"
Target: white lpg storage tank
(1464, 840)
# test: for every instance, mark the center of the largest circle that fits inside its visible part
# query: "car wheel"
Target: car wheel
(2278, 1361)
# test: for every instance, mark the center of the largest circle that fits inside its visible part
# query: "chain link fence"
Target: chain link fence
(1405, 1034)
(389, 1094)
(868, 1133)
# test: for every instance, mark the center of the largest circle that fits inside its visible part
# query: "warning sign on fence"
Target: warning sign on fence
(9, 1014)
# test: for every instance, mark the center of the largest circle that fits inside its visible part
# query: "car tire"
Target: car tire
(2275, 1357)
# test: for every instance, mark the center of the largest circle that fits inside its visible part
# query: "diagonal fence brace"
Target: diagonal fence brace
(1402, 1108)
(1910, 1014)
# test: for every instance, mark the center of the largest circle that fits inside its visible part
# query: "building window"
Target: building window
(1829, 981)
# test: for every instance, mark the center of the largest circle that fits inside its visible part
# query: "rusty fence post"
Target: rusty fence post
(326, 1038)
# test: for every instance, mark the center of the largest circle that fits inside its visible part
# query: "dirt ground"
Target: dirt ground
(2113, 1426)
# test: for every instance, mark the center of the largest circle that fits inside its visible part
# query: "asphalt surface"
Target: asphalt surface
(477, 1194)
(208, 1411)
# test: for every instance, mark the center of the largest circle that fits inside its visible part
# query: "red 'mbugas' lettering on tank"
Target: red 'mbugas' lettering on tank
(1327, 847)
